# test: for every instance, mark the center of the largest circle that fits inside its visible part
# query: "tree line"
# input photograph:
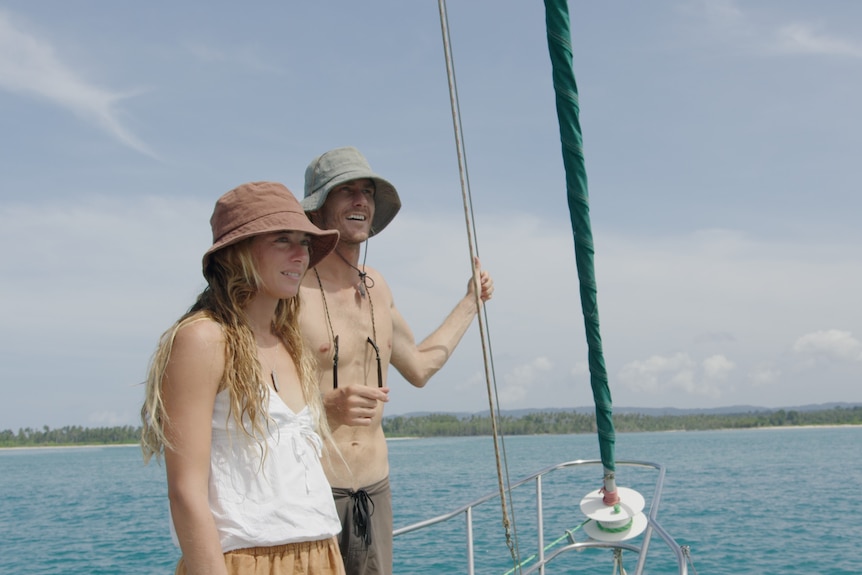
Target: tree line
(70, 435)
(447, 425)
(569, 422)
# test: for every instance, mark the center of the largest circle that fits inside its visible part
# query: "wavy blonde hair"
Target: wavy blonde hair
(232, 281)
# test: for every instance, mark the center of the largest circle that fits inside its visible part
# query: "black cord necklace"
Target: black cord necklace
(370, 340)
(363, 285)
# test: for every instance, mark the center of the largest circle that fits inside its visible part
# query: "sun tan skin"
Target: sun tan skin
(191, 384)
(355, 408)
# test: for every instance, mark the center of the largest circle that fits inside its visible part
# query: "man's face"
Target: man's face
(349, 208)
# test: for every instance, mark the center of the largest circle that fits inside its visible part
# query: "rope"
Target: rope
(618, 562)
(363, 286)
(363, 509)
(334, 337)
(615, 529)
(568, 536)
(490, 377)
(686, 551)
(326, 308)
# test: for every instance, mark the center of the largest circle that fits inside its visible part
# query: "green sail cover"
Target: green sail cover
(560, 48)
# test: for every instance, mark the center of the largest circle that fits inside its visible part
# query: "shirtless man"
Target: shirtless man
(350, 322)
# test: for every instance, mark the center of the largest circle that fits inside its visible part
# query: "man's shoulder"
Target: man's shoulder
(375, 274)
(379, 286)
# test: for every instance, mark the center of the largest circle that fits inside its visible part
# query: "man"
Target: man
(351, 325)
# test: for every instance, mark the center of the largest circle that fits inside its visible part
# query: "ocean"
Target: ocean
(782, 500)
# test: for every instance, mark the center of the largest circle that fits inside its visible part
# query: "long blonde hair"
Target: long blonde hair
(232, 281)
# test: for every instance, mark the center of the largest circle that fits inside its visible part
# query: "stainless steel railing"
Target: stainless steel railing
(681, 554)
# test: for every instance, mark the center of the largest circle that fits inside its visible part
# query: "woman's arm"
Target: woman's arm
(189, 388)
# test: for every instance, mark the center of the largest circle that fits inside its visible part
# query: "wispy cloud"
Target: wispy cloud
(718, 298)
(832, 344)
(29, 65)
(805, 39)
(763, 375)
(717, 367)
(519, 381)
(677, 372)
(733, 24)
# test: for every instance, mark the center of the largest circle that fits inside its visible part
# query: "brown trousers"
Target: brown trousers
(366, 528)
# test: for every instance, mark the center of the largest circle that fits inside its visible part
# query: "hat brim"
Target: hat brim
(386, 200)
(322, 241)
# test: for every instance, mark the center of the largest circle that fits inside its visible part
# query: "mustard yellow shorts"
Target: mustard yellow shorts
(306, 558)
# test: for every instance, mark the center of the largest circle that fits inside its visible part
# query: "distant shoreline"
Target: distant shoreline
(824, 426)
(761, 428)
(81, 446)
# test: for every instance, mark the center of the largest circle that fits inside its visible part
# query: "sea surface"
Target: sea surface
(780, 500)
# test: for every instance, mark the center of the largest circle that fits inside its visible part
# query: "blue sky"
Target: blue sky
(722, 142)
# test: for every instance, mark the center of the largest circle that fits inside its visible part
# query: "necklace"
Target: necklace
(272, 374)
(362, 287)
(334, 337)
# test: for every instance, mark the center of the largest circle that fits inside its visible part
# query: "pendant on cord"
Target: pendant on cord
(361, 285)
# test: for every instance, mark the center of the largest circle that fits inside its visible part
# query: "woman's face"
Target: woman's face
(281, 259)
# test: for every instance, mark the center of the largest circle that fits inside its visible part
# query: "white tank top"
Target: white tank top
(262, 500)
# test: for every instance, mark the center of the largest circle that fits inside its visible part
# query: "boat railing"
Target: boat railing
(541, 558)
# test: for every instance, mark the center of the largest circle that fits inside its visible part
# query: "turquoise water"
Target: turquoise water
(761, 501)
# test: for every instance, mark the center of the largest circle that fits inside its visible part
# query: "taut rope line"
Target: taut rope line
(490, 378)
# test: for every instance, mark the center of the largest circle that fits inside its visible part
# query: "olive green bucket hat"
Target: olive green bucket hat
(341, 165)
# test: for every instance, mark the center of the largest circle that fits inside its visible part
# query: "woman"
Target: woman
(232, 406)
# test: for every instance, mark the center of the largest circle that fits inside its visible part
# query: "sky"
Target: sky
(722, 143)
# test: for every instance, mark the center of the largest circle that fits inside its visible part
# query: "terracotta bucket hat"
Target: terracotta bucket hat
(259, 208)
(342, 165)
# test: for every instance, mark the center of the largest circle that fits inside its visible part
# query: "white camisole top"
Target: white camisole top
(261, 498)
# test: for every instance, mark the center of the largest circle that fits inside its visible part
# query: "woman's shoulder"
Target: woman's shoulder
(199, 331)
(197, 352)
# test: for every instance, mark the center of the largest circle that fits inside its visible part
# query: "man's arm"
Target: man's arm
(417, 363)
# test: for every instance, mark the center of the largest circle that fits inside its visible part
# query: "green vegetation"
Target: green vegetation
(70, 435)
(565, 422)
(444, 425)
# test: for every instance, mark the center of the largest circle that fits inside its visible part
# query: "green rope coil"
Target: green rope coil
(625, 527)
